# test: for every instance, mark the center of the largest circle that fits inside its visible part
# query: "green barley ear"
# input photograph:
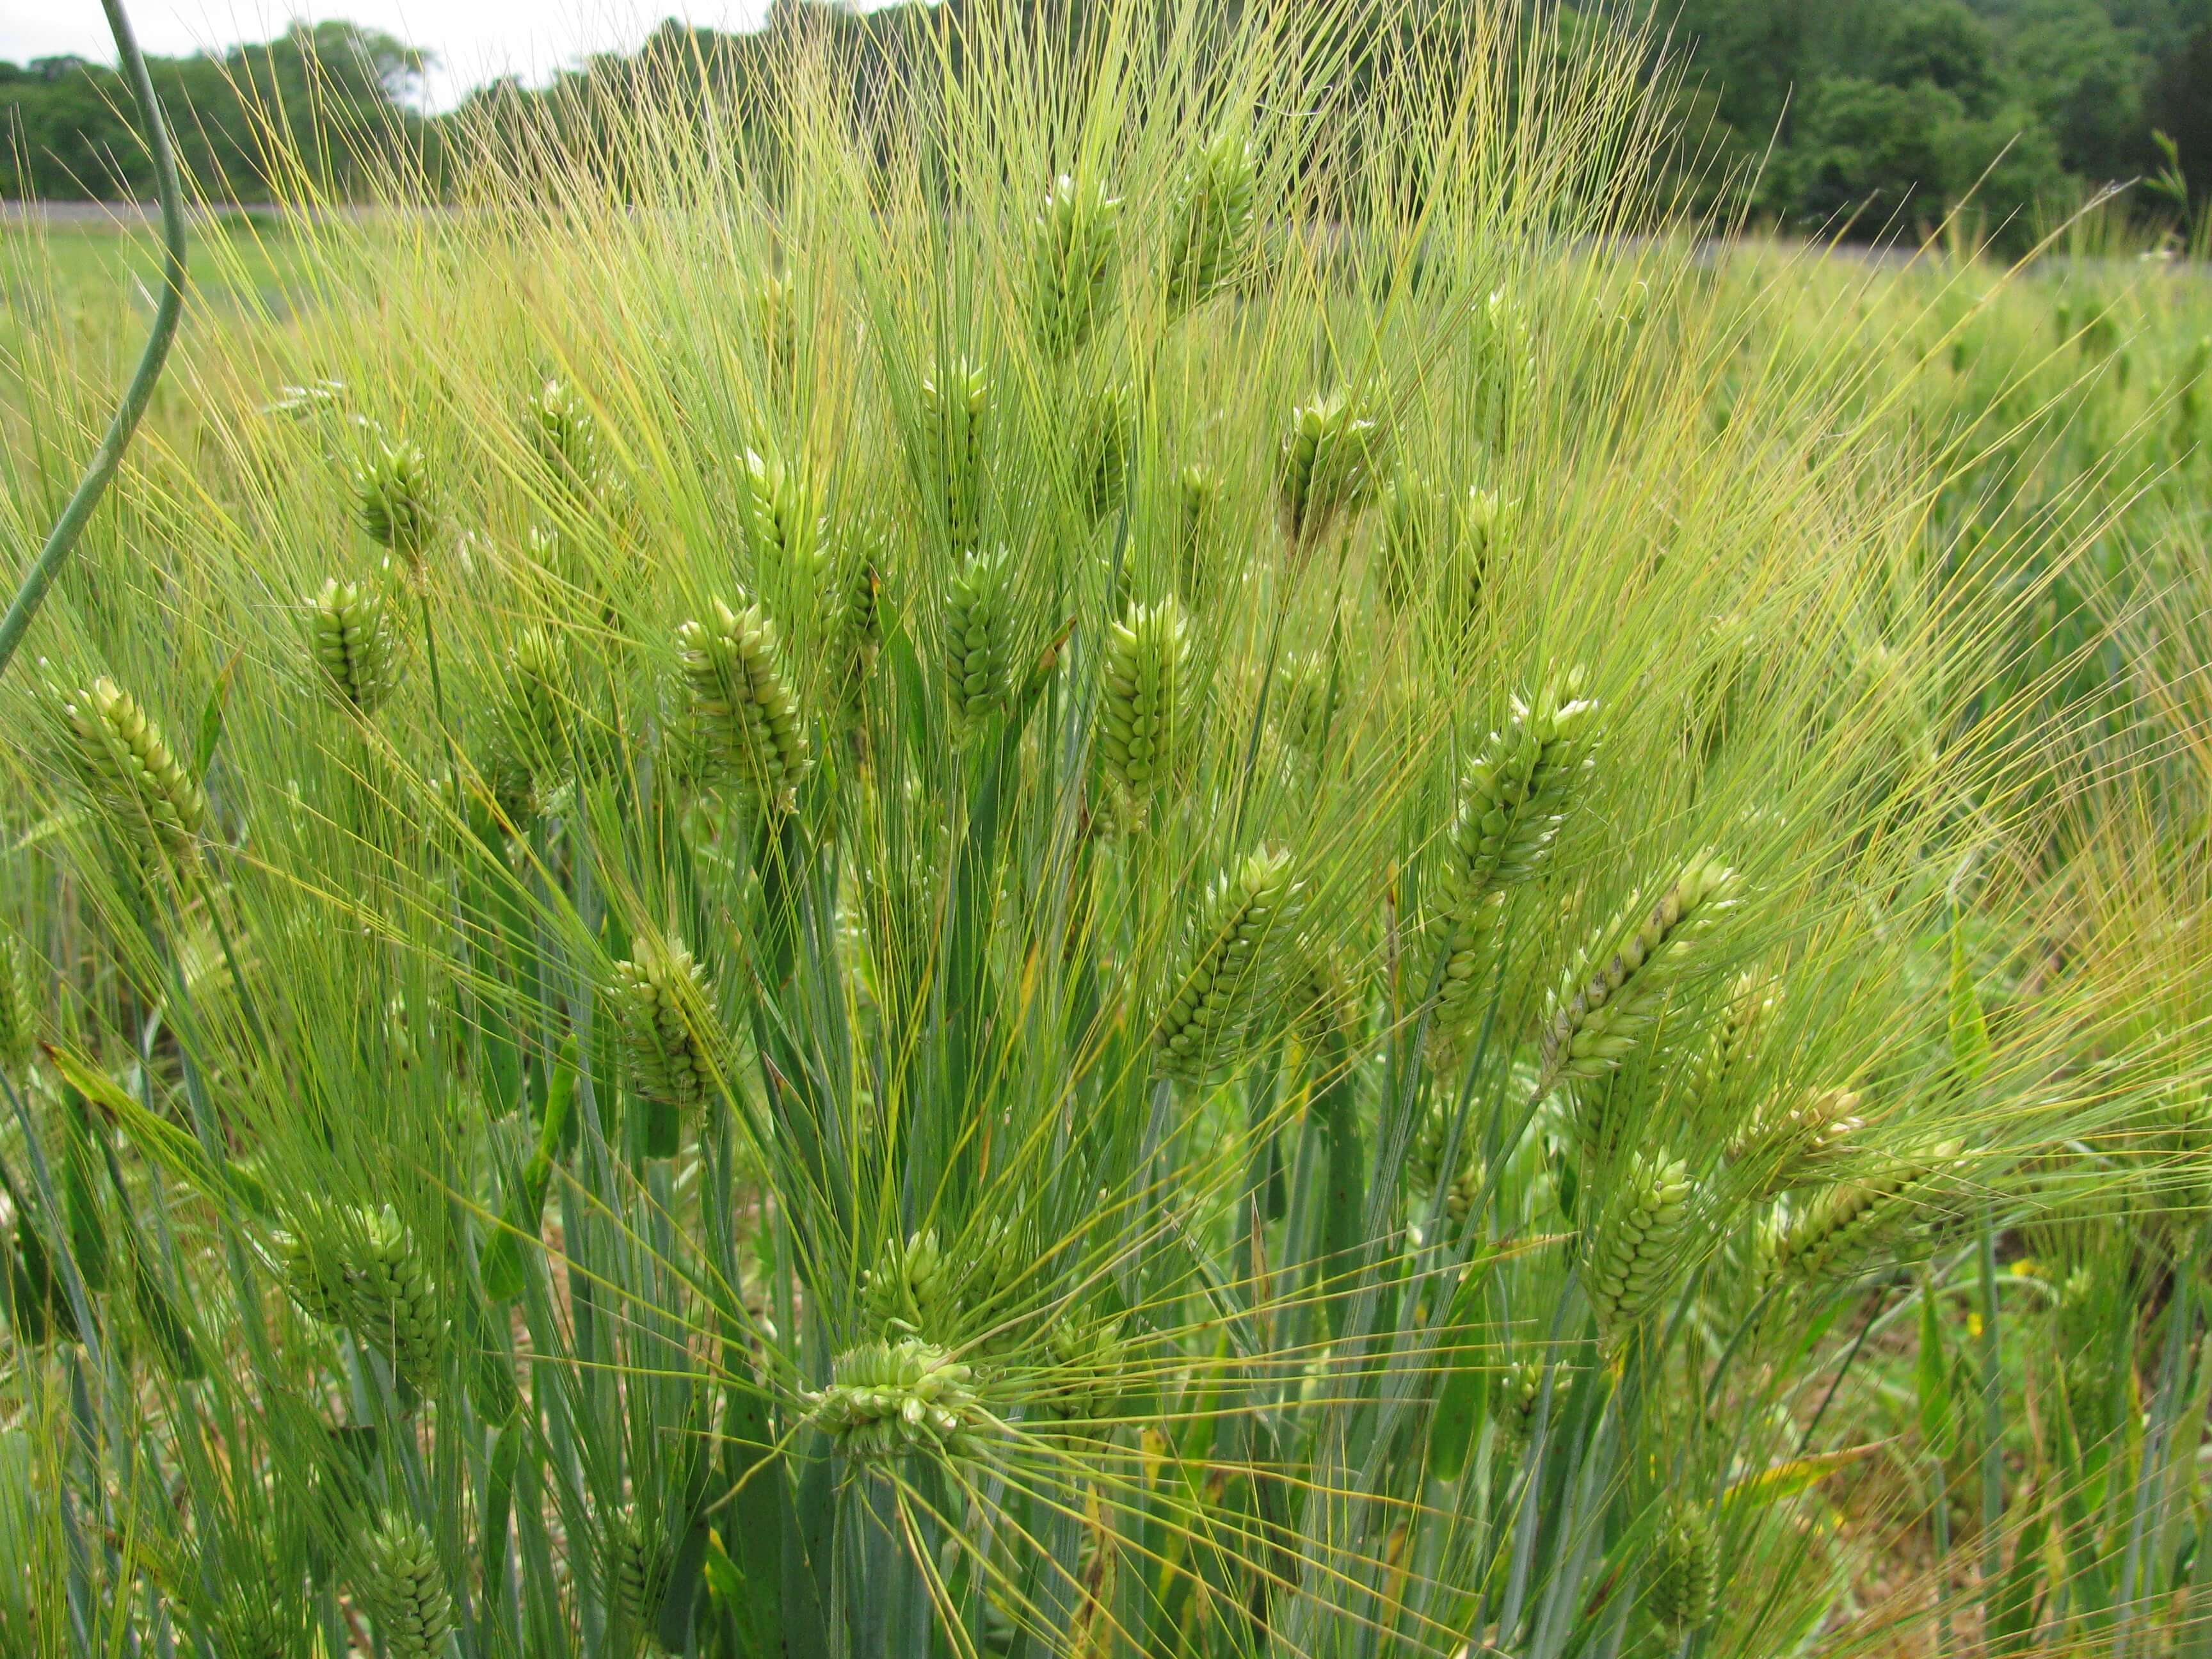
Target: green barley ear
(129, 770)
(1515, 1393)
(256, 1622)
(1416, 528)
(636, 1569)
(1513, 801)
(1231, 969)
(887, 1399)
(1085, 1376)
(1505, 359)
(19, 1018)
(956, 410)
(1484, 524)
(666, 1023)
(531, 753)
(979, 622)
(1210, 217)
(1106, 447)
(1425, 1167)
(1785, 1145)
(1321, 1000)
(776, 326)
(1684, 1573)
(1838, 1232)
(1197, 529)
(1142, 709)
(355, 643)
(399, 1584)
(392, 493)
(853, 621)
(1636, 1250)
(1328, 464)
(565, 434)
(910, 1289)
(1598, 1013)
(1752, 1003)
(782, 529)
(742, 707)
(390, 1300)
(1309, 696)
(309, 1259)
(1073, 248)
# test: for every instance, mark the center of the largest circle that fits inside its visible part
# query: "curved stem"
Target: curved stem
(70, 526)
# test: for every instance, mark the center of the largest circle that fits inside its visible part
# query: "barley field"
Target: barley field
(1100, 856)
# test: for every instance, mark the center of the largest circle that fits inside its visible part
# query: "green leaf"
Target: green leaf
(1970, 1030)
(167, 1145)
(209, 735)
(685, 1579)
(1462, 1401)
(171, 1331)
(1787, 1479)
(1933, 1377)
(2016, 1608)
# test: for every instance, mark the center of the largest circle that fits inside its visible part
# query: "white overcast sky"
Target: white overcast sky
(473, 39)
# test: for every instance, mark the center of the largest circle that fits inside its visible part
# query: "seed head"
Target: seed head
(1424, 1168)
(19, 1018)
(1197, 529)
(1516, 793)
(1841, 1230)
(1598, 1013)
(1141, 711)
(782, 528)
(391, 486)
(910, 1289)
(1210, 218)
(356, 645)
(1320, 998)
(1084, 1374)
(565, 434)
(1684, 1573)
(1752, 1002)
(956, 412)
(1328, 464)
(775, 324)
(257, 1621)
(1416, 528)
(1074, 248)
(1789, 1144)
(671, 1035)
(362, 1270)
(742, 709)
(979, 626)
(391, 1299)
(853, 625)
(1106, 445)
(888, 1398)
(401, 1586)
(1515, 1393)
(531, 753)
(1512, 802)
(1310, 693)
(637, 1564)
(1232, 968)
(128, 769)
(1636, 1251)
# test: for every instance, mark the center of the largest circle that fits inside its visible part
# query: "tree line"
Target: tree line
(1813, 114)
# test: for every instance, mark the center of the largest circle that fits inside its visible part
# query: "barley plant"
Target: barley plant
(1087, 853)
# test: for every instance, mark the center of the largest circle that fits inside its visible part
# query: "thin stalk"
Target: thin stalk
(63, 538)
(1992, 1424)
